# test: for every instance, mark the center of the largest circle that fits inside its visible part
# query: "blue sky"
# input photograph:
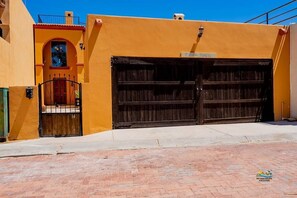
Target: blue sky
(211, 10)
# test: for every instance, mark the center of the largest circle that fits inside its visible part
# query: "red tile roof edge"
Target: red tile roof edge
(59, 26)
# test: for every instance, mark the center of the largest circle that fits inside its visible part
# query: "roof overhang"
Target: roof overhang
(59, 26)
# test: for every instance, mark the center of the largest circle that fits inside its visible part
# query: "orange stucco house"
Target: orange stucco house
(110, 101)
(59, 69)
(161, 38)
(122, 72)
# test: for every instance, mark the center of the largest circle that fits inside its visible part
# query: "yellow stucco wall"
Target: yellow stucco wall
(4, 48)
(22, 45)
(75, 56)
(17, 69)
(17, 55)
(281, 75)
(4, 63)
(120, 36)
(23, 114)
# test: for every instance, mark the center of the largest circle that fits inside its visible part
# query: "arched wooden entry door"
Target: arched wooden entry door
(60, 108)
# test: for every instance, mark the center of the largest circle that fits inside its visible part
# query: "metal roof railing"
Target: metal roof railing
(56, 19)
(282, 15)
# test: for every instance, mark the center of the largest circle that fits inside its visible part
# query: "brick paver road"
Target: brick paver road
(219, 171)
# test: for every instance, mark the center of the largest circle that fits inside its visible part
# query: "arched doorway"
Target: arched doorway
(60, 94)
(59, 58)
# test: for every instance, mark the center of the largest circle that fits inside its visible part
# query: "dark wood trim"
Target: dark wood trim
(156, 82)
(131, 61)
(231, 120)
(168, 102)
(233, 101)
(248, 82)
(199, 94)
(128, 60)
(57, 121)
(64, 67)
(114, 80)
(81, 110)
(136, 98)
(243, 62)
(61, 125)
(71, 135)
(155, 123)
(272, 89)
(40, 109)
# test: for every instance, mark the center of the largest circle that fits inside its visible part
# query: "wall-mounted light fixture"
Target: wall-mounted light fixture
(29, 92)
(200, 31)
(81, 46)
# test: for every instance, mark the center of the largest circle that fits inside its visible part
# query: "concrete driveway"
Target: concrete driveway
(165, 137)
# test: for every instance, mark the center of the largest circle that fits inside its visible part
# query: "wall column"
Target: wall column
(293, 70)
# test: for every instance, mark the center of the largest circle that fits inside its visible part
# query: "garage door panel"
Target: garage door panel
(155, 93)
(147, 113)
(236, 73)
(229, 112)
(239, 90)
(225, 110)
(234, 91)
(251, 91)
(133, 73)
(160, 92)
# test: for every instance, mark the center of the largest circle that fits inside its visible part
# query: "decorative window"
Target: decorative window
(59, 54)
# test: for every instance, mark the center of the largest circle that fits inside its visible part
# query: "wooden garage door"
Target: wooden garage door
(237, 90)
(154, 92)
(179, 91)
